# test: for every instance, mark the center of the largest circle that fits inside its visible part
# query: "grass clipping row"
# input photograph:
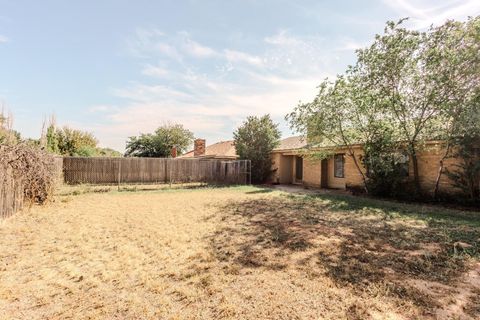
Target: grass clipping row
(30, 166)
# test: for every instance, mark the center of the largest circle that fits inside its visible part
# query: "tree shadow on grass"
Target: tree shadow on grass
(339, 202)
(260, 190)
(368, 247)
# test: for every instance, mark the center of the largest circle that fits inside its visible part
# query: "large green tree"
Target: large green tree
(452, 55)
(254, 140)
(108, 152)
(160, 143)
(409, 86)
(424, 83)
(394, 66)
(51, 139)
(7, 134)
(73, 142)
(341, 115)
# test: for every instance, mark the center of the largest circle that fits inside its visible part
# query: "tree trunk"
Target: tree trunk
(352, 154)
(416, 178)
(437, 180)
(440, 171)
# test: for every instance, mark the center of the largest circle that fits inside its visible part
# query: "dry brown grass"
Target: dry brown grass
(242, 252)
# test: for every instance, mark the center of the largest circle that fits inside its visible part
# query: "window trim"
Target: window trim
(335, 165)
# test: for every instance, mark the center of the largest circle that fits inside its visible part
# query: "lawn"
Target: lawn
(240, 252)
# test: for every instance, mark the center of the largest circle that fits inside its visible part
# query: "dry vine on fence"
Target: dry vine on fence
(33, 168)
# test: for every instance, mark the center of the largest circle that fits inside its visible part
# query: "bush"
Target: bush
(35, 169)
(466, 174)
(387, 167)
(254, 140)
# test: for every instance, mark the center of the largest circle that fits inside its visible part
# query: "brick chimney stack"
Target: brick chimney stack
(199, 147)
(174, 152)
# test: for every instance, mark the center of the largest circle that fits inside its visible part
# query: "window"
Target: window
(403, 162)
(338, 166)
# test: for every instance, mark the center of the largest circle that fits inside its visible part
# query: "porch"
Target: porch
(296, 169)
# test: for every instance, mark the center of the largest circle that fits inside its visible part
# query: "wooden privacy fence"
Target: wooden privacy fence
(11, 193)
(154, 170)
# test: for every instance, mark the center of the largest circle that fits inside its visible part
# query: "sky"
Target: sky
(119, 68)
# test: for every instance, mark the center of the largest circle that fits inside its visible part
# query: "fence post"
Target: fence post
(119, 172)
(171, 165)
(245, 168)
(250, 172)
(165, 172)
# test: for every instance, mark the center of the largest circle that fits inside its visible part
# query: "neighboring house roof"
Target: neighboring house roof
(291, 143)
(222, 149)
(226, 149)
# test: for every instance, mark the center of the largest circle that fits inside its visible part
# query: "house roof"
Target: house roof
(291, 143)
(222, 149)
(226, 149)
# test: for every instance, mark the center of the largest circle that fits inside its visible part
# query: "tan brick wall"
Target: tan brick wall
(283, 168)
(311, 172)
(428, 164)
(294, 170)
(334, 182)
(353, 178)
(275, 176)
(428, 161)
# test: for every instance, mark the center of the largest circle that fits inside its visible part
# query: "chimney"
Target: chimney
(199, 147)
(174, 152)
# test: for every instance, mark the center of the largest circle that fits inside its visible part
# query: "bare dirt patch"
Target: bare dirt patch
(243, 252)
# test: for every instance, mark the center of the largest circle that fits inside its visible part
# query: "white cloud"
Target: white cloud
(283, 38)
(147, 93)
(4, 39)
(238, 56)
(154, 71)
(426, 13)
(300, 56)
(211, 110)
(349, 44)
(196, 49)
(151, 42)
(101, 109)
(211, 96)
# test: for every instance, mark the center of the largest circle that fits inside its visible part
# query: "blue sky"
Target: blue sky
(118, 68)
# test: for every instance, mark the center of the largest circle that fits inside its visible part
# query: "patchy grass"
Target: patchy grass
(75, 190)
(240, 252)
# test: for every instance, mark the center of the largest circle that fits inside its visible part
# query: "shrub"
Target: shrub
(387, 167)
(466, 174)
(35, 169)
(254, 140)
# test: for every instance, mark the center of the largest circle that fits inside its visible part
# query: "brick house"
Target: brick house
(223, 150)
(337, 171)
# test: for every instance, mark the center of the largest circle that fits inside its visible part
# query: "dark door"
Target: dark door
(324, 175)
(299, 169)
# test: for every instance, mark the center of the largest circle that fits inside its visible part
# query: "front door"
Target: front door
(324, 175)
(298, 169)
